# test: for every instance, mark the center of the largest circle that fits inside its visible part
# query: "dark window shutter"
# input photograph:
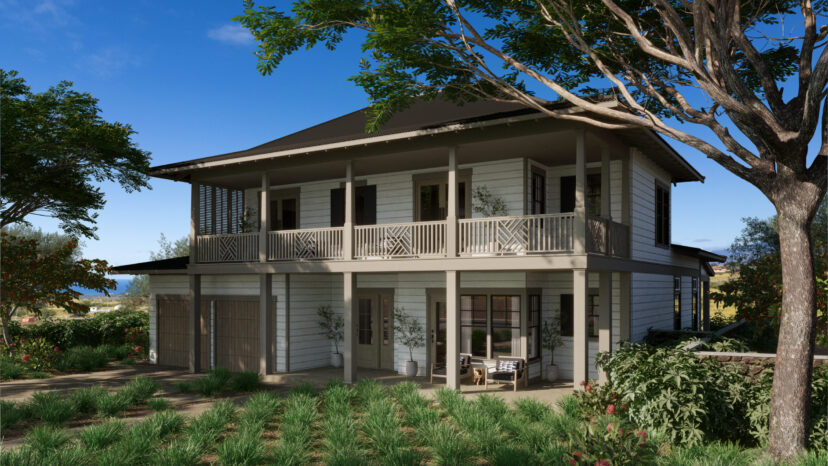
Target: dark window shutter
(567, 194)
(338, 207)
(567, 318)
(366, 205)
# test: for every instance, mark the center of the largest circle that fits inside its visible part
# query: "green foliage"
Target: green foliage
(100, 436)
(158, 404)
(12, 413)
(76, 150)
(45, 439)
(608, 439)
(112, 404)
(86, 399)
(36, 354)
(551, 335)
(139, 390)
(10, 369)
(245, 381)
(242, 449)
(52, 408)
(487, 204)
(408, 331)
(448, 445)
(332, 325)
(82, 359)
(95, 330)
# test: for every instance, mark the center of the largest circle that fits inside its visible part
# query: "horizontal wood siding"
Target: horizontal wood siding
(395, 202)
(315, 204)
(308, 347)
(504, 179)
(651, 304)
(644, 175)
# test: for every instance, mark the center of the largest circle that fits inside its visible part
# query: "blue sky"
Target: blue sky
(184, 76)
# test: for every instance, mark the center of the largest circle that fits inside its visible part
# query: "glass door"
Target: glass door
(438, 330)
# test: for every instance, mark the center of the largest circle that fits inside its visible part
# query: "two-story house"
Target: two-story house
(481, 221)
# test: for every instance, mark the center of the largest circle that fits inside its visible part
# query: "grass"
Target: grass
(10, 370)
(102, 435)
(220, 380)
(52, 408)
(12, 413)
(158, 404)
(86, 399)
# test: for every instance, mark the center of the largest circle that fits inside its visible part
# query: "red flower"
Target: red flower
(57, 350)
(602, 463)
(25, 358)
(610, 409)
(577, 454)
(588, 388)
(572, 461)
(126, 330)
(583, 382)
(137, 349)
(620, 431)
(623, 406)
(642, 444)
(48, 358)
(610, 426)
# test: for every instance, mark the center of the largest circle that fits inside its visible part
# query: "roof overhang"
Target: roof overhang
(705, 256)
(176, 265)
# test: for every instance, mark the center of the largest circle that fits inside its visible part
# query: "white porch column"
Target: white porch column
(153, 327)
(265, 322)
(348, 226)
(351, 325)
(264, 217)
(605, 317)
(287, 323)
(453, 329)
(579, 229)
(580, 331)
(194, 324)
(625, 282)
(606, 206)
(195, 221)
(451, 215)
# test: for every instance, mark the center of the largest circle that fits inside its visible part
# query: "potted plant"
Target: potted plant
(333, 327)
(409, 332)
(551, 336)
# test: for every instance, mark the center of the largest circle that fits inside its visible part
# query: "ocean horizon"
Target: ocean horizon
(120, 288)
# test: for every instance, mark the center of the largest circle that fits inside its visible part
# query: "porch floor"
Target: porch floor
(549, 392)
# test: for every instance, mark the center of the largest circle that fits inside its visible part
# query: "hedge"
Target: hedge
(92, 330)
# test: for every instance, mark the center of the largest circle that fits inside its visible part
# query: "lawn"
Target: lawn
(719, 311)
(368, 424)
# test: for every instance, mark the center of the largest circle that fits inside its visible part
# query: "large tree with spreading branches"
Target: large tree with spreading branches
(669, 65)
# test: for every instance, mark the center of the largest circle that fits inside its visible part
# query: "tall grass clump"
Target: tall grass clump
(206, 428)
(260, 408)
(180, 452)
(158, 404)
(381, 426)
(52, 408)
(246, 381)
(12, 413)
(45, 439)
(448, 445)
(341, 444)
(369, 390)
(295, 431)
(139, 390)
(246, 447)
(303, 388)
(449, 400)
(213, 383)
(533, 410)
(10, 370)
(111, 405)
(100, 436)
(86, 399)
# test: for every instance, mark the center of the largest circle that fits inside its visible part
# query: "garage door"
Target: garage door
(173, 335)
(237, 333)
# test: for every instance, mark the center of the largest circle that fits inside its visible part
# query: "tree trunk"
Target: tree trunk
(6, 334)
(790, 398)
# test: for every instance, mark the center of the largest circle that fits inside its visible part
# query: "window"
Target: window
(505, 326)
(694, 305)
(365, 206)
(676, 303)
(538, 192)
(593, 194)
(568, 310)
(284, 209)
(366, 336)
(473, 325)
(534, 336)
(567, 194)
(662, 215)
(431, 198)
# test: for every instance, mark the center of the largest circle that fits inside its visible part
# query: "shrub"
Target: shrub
(10, 369)
(86, 399)
(245, 381)
(158, 404)
(609, 439)
(36, 353)
(45, 439)
(52, 408)
(598, 400)
(12, 413)
(112, 404)
(212, 384)
(102, 435)
(92, 330)
(82, 358)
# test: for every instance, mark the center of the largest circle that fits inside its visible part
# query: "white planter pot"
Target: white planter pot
(336, 359)
(551, 372)
(410, 368)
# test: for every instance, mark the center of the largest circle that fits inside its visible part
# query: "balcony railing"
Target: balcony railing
(240, 247)
(396, 240)
(547, 233)
(493, 236)
(607, 237)
(309, 244)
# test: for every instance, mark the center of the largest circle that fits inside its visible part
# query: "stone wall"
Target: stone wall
(754, 362)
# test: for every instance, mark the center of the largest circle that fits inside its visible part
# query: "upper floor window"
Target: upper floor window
(662, 215)
(538, 192)
(676, 303)
(431, 197)
(593, 194)
(365, 206)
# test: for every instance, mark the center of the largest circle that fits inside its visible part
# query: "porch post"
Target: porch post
(580, 337)
(605, 317)
(348, 226)
(195, 221)
(606, 206)
(452, 329)
(625, 285)
(195, 323)
(580, 227)
(287, 323)
(264, 217)
(351, 325)
(451, 216)
(265, 322)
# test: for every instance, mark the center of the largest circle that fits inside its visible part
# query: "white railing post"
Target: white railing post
(451, 217)
(264, 217)
(580, 227)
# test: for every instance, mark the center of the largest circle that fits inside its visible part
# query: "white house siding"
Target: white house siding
(503, 178)
(315, 204)
(644, 175)
(651, 300)
(686, 302)
(308, 347)
(394, 197)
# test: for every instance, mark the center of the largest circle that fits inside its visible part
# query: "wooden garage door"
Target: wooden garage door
(173, 335)
(237, 333)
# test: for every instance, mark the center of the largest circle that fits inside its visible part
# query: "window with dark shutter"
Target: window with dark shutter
(538, 193)
(365, 206)
(662, 215)
(567, 312)
(567, 194)
(337, 207)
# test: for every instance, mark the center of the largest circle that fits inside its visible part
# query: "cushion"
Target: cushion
(508, 376)
(507, 365)
(464, 361)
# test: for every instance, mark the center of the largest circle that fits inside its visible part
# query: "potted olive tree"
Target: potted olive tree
(333, 327)
(551, 335)
(409, 332)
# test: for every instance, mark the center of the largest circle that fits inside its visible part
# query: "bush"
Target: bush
(93, 330)
(45, 440)
(12, 413)
(10, 369)
(139, 390)
(245, 381)
(36, 353)
(609, 439)
(86, 399)
(82, 359)
(112, 405)
(52, 408)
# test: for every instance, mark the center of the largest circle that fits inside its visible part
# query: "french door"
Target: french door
(375, 330)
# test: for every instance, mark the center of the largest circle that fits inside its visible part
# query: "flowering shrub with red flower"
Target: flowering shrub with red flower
(598, 400)
(137, 339)
(31, 279)
(608, 440)
(37, 354)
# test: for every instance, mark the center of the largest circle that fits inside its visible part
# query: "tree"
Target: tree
(663, 65)
(46, 242)
(56, 148)
(138, 289)
(31, 279)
